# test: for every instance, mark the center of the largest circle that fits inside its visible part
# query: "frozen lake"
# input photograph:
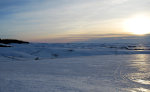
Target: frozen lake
(101, 73)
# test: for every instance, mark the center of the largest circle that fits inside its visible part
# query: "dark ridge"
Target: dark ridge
(4, 46)
(9, 41)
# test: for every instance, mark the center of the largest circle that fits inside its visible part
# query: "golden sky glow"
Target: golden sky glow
(139, 24)
(34, 20)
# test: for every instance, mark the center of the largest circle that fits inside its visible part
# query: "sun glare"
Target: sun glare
(138, 25)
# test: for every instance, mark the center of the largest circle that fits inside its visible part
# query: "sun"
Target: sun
(139, 25)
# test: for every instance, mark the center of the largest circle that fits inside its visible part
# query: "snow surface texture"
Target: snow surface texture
(75, 68)
(53, 51)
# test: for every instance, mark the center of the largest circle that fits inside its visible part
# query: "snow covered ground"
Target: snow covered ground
(75, 68)
(36, 51)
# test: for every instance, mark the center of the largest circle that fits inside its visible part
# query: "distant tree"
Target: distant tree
(8, 41)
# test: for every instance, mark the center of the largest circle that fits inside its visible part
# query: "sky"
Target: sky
(67, 20)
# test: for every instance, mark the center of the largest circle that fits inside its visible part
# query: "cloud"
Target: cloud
(78, 38)
(48, 17)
